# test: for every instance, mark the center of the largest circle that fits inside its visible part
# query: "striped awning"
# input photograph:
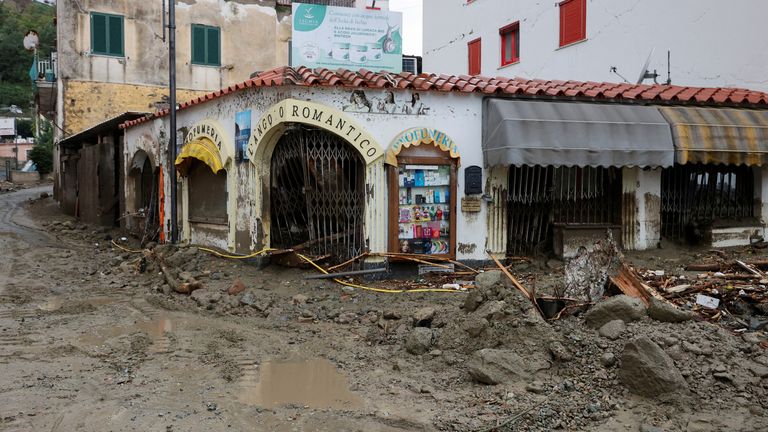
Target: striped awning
(201, 149)
(719, 135)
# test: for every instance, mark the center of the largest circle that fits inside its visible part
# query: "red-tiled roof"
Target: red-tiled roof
(604, 92)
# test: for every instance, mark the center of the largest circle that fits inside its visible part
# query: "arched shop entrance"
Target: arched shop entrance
(144, 205)
(317, 194)
(319, 182)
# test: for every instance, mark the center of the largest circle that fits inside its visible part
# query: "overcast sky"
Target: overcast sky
(412, 22)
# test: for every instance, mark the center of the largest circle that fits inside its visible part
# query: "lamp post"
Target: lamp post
(172, 97)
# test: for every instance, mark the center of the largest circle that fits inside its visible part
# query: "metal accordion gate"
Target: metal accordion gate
(317, 195)
(540, 197)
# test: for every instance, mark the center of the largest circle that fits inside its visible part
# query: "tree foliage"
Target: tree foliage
(16, 18)
(42, 153)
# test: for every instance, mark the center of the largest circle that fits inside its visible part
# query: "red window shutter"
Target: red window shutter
(510, 43)
(474, 49)
(573, 21)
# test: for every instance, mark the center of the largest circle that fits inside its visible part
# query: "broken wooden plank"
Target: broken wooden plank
(528, 294)
(749, 268)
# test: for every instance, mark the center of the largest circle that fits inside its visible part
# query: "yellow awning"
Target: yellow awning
(201, 149)
(729, 136)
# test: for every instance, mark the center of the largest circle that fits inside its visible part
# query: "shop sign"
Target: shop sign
(207, 129)
(343, 37)
(330, 119)
(418, 136)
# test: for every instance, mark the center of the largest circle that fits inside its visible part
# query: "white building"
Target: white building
(712, 43)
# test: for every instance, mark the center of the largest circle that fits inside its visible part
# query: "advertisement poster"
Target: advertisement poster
(343, 37)
(242, 133)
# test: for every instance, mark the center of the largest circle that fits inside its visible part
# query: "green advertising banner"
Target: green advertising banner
(343, 37)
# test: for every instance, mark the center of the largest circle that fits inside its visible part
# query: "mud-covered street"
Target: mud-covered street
(92, 338)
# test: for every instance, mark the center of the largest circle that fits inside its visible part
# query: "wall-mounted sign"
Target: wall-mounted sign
(242, 133)
(8, 126)
(418, 136)
(343, 37)
(470, 204)
(321, 116)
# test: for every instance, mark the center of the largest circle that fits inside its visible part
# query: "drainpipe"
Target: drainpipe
(172, 97)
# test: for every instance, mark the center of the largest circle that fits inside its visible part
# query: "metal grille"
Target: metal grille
(541, 196)
(317, 194)
(696, 195)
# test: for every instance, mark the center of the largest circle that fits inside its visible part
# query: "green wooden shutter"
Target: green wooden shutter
(214, 47)
(198, 44)
(116, 35)
(98, 34)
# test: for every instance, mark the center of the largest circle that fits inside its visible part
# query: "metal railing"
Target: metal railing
(47, 68)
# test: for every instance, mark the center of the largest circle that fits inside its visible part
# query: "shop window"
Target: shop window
(697, 197)
(510, 44)
(107, 34)
(423, 202)
(541, 198)
(206, 45)
(573, 21)
(207, 194)
(474, 49)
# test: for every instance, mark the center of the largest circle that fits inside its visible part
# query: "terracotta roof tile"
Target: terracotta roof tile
(303, 76)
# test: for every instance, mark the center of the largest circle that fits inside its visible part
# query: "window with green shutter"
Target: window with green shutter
(206, 45)
(107, 34)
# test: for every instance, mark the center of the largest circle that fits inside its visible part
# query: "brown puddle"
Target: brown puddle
(314, 383)
(156, 329)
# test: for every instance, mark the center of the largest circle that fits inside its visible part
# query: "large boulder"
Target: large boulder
(496, 366)
(647, 370)
(473, 300)
(667, 312)
(419, 341)
(491, 310)
(620, 307)
(489, 279)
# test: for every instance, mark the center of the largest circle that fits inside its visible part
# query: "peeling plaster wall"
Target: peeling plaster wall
(87, 104)
(620, 33)
(249, 30)
(456, 114)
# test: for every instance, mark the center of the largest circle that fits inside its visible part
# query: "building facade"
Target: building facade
(599, 40)
(343, 163)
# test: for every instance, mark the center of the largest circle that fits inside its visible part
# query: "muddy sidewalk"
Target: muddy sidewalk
(94, 338)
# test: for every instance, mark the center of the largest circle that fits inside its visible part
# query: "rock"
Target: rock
(205, 297)
(419, 340)
(491, 310)
(648, 428)
(608, 359)
(536, 387)
(489, 279)
(752, 337)
(392, 315)
(188, 287)
(423, 317)
(475, 326)
(758, 370)
(248, 298)
(346, 318)
(237, 287)
(560, 352)
(621, 307)
(613, 329)
(495, 366)
(647, 370)
(473, 300)
(667, 312)
(299, 299)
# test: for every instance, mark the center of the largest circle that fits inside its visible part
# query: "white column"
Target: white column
(496, 187)
(376, 209)
(641, 208)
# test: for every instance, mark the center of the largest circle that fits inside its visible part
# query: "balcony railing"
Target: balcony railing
(47, 68)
